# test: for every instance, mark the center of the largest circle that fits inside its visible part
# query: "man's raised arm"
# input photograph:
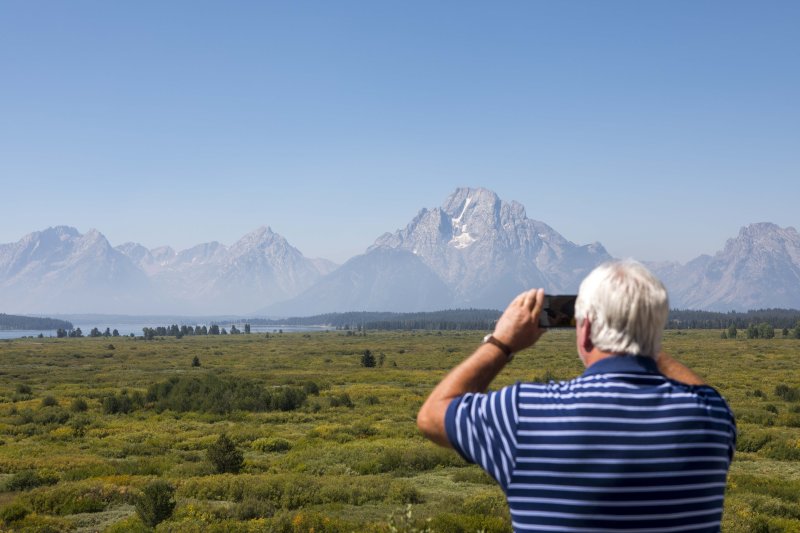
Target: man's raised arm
(517, 328)
(677, 371)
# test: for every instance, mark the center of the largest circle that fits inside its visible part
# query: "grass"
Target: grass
(349, 458)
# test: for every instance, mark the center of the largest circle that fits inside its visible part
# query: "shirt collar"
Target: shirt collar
(621, 363)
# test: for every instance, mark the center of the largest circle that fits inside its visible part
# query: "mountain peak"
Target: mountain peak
(93, 235)
(263, 236)
(262, 230)
(761, 236)
(486, 250)
(759, 268)
(758, 228)
(67, 231)
(458, 202)
(56, 233)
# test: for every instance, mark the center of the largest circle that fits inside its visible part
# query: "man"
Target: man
(636, 443)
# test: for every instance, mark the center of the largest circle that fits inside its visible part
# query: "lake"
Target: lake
(136, 329)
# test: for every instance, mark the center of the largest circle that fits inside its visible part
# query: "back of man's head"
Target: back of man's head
(627, 307)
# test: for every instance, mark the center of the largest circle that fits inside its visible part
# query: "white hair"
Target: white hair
(627, 307)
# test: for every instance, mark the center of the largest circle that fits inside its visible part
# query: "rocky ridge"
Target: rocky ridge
(475, 250)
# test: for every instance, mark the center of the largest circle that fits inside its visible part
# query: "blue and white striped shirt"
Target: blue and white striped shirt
(620, 448)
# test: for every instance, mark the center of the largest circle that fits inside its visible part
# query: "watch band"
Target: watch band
(491, 339)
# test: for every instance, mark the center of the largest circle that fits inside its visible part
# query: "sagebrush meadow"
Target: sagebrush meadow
(88, 425)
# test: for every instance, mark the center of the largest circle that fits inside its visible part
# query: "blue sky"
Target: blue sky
(658, 128)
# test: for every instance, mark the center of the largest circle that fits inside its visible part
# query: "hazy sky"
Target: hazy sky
(658, 128)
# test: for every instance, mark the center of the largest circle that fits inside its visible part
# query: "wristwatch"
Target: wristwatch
(491, 339)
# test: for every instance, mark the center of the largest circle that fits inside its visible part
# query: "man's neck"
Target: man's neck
(594, 356)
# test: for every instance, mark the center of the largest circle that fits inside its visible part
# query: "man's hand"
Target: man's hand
(518, 327)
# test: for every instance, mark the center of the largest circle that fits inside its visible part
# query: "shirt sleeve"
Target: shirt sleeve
(482, 428)
(714, 399)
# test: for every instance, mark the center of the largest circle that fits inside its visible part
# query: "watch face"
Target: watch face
(487, 337)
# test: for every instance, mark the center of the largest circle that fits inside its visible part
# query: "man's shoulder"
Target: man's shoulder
(619, 386)
(588, 381)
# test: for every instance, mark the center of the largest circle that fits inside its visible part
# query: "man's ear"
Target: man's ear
(586, 335)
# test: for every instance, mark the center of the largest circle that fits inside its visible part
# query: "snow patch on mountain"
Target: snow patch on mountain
(462, 240)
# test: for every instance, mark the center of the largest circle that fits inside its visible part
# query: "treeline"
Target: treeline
(159, 331)
(72, 333)
(32, 322)
(181, 331)
(761, 331)
(448, 319)
(688, 319)
(484, 319)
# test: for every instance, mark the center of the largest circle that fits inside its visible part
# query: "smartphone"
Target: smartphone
(558, 311)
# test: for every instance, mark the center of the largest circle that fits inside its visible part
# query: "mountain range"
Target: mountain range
(475, 250)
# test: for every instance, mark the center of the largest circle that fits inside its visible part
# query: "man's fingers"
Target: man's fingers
(528, 298)
(520, 299)
(538, 302)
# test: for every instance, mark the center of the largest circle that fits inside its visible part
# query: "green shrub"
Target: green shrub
(212, 394)
(122, 403)
(49, 401)
(487, 503)
(781, 450)
(307, 521)
(132, 524)
(271, 445)
(78, 405)
(783, 489)
(300, 492)
(472, 475)
(81, 497)
(79, 423)
(13, 512)
(405, 459)
(29, 479)
(367, 359)
(293, 491)
(788, 420)
(224, 455)
(252, 507)
(45, 416)
(765, 331)
(774, 507)
(156, 502)
(404, 522)
(751, 441)
(362, 429)
(286, 398)
(229, 487)
(358, 490)
(341, 400)
(786, 393)
(403, 492)
(459, 523)
(79, 473)
(311, 388)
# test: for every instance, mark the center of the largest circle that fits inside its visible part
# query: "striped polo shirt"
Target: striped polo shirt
(620, 448)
